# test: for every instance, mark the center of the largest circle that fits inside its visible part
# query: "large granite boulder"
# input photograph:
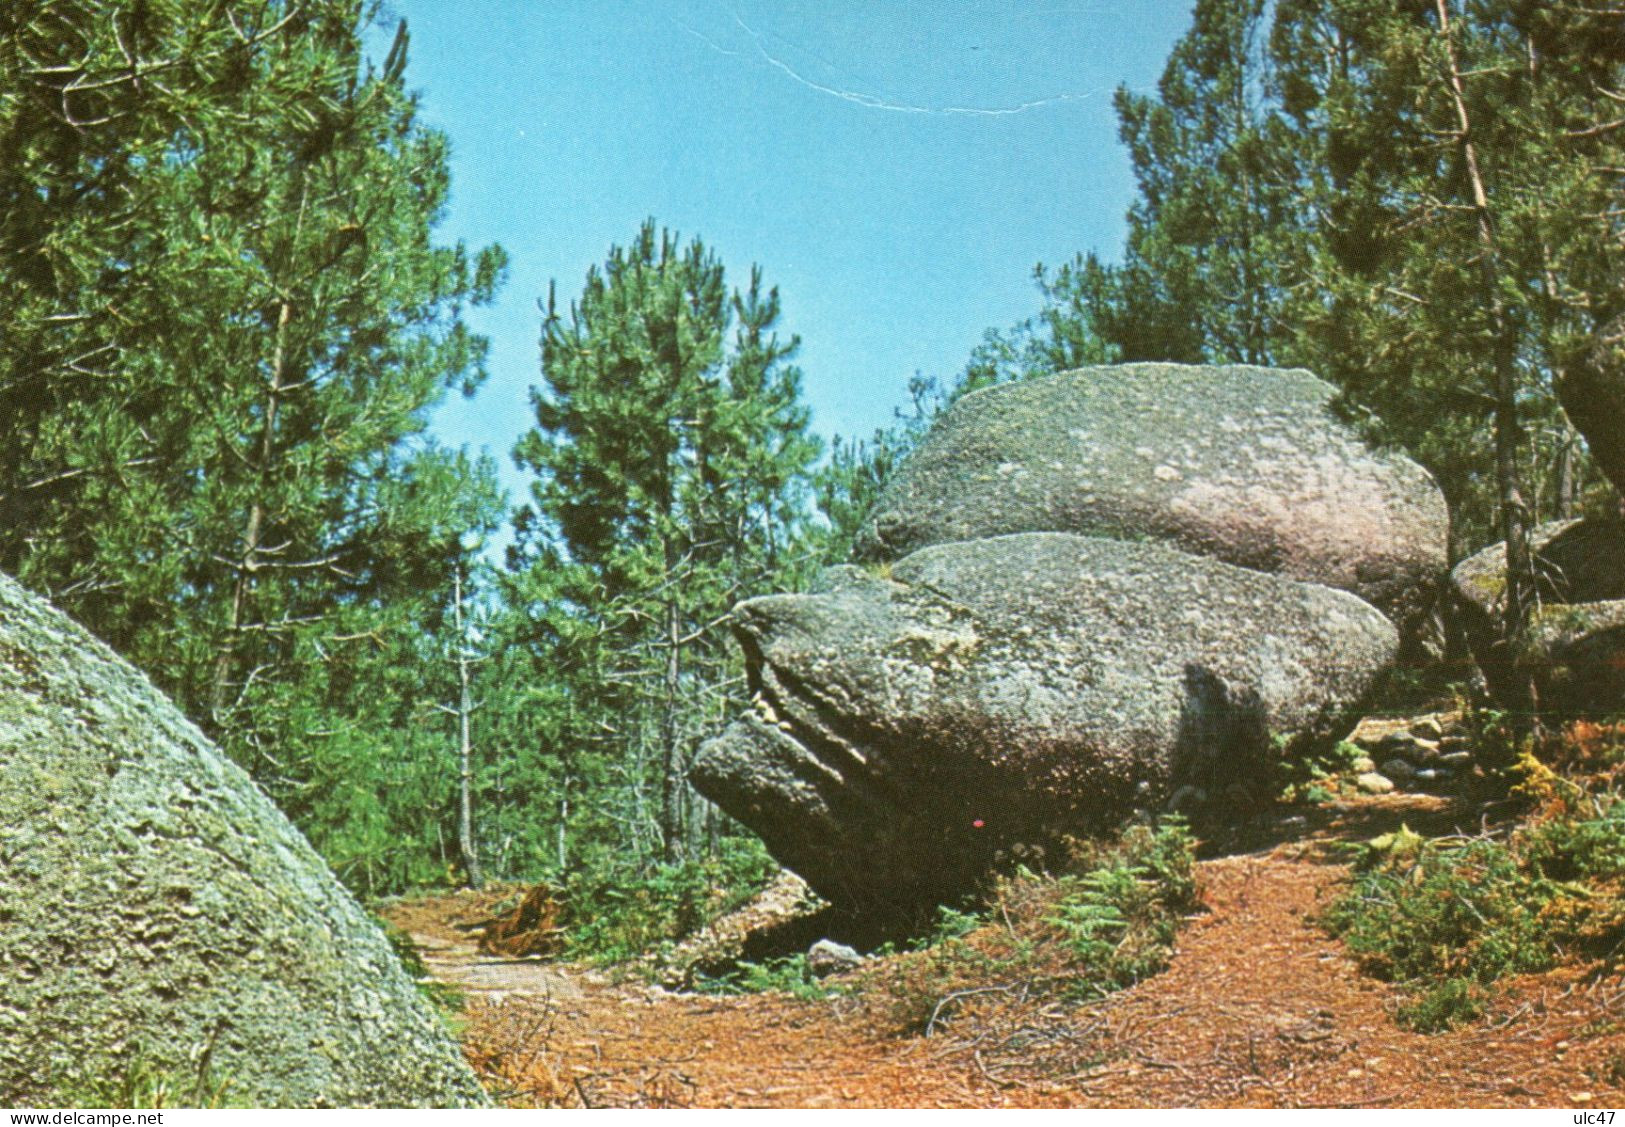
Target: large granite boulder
(1000, 692)
(1245, 465)
(1574, 649)
(159, 917)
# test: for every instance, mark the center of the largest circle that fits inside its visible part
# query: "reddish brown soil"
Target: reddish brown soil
(1259, 1009)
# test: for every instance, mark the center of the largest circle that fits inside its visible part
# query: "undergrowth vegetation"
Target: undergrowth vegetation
(613, 916)
(1107, 923)
(1447, 917)
(1313, 777)
(790, 974)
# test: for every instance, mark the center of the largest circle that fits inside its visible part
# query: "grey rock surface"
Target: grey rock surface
(1244, 465)
(1575, 649)
(827, 957)
(1427, 728)
(158, 913)
(1399, 770)
(1370, 782)
(911, 730)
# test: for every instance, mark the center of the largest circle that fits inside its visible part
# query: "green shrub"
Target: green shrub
(615, 915)
(1447, 918)
(1450, 1003)
(950, 924)
(788, 975)
(1091, 921)
(1312, 778)
(1120, 918)
(1422, 913)
(1568, 849)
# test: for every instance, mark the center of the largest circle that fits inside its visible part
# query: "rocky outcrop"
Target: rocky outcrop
(1244, 465)
(1108, 590)
(1574, 648)
(1426, 753)
(158, 914)
(996, 693)
(1591, 387)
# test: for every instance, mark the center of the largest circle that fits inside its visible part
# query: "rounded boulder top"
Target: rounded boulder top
(1246, 465)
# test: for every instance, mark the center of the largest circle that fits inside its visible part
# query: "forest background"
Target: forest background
(225, 321)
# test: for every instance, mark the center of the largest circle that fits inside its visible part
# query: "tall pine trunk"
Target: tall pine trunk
(253, 528)
(671, 778)
(465, 750)
(1514, 510)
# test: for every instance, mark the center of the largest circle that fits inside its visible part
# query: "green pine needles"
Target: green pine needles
(227, 321)
(671, 456)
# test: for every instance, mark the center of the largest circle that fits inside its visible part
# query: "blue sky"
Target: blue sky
(896, 168)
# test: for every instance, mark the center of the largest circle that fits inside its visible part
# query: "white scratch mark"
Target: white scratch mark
(871, 101)
(703, 38)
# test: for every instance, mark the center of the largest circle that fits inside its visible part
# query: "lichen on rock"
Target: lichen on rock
(1242, 464)
(1009, 690)
(158, 913)
(1081, 596)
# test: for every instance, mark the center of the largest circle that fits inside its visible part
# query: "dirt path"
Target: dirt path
(1259, 1009)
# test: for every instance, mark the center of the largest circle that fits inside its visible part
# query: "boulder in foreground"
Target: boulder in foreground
(158, 914)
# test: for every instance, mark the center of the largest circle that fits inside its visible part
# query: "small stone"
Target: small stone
(1398, 770)
(1363, 765)
(1372, 783)
(1424, 751)
(1427, 728)
(1455, 743)
(1582, 1097)
(827, 957)
(1456, 760)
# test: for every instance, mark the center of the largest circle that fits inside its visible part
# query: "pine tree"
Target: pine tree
(670, 469)
(1213, 233)
(231, 322)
